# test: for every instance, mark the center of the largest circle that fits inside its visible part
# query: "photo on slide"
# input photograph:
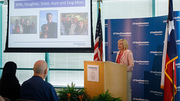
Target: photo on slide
(48, 24)
(74, 24)
(23, 25)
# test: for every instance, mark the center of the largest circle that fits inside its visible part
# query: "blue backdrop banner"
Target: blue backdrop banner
(177, 30)
(145, 37)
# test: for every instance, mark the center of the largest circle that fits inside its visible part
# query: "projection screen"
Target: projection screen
(49, 26)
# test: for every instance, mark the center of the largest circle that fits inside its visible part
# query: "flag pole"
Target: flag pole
(98, 47)
(99, 3)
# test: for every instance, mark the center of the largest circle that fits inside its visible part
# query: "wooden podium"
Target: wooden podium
(100, 76)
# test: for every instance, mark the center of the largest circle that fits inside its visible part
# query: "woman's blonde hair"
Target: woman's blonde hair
(125, 43)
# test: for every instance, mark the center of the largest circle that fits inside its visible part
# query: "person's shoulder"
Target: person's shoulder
(128, 51)
(48, 84)
(16, 81)
(27, 81)
(54, 23)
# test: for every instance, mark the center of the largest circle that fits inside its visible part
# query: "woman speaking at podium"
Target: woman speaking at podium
(125, 57)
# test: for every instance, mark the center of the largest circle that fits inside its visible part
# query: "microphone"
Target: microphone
(109, 55)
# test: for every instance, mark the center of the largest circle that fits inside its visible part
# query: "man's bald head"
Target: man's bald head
(40, 66)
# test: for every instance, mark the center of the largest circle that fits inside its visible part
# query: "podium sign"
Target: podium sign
(93, 73)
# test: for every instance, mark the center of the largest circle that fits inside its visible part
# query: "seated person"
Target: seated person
(36, 88)
(9, 84)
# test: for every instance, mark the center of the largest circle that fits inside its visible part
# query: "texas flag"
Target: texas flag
(168, 76)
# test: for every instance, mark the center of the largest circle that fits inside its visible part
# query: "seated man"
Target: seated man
(36, 88)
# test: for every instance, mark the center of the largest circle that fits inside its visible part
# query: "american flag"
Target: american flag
(98, 48)
(168, 75)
